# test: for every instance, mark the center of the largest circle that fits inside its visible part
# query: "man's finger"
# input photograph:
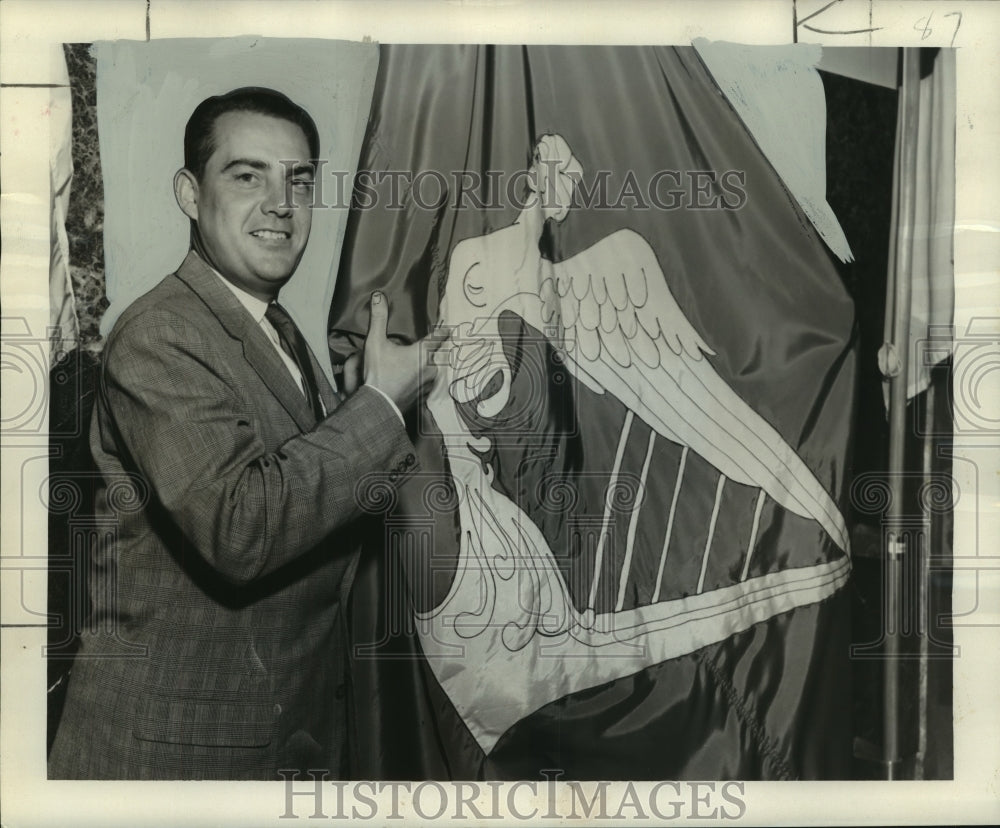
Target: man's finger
(352, 372)
(379, 315)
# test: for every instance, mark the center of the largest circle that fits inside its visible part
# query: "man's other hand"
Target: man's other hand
(403, 372)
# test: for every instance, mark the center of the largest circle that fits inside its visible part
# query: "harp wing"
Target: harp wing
(626, 335)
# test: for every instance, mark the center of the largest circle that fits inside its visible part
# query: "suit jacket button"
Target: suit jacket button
(393, 476)
(277, 710)
(410, 459)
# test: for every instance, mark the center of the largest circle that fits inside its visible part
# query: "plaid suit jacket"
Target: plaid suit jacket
(225, 549)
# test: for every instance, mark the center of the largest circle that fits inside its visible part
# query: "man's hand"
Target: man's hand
(403, 372)
(353, 375)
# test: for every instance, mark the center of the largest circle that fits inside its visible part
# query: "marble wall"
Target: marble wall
(85, 219)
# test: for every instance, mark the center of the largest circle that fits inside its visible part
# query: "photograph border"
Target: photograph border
(33, 31)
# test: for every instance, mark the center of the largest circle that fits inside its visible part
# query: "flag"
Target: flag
(930, 233)
(624, 555)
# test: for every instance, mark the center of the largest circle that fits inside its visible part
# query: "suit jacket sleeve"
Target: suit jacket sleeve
(176, 409)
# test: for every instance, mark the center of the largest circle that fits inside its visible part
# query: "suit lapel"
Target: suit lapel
(329, 395)
(257, 350)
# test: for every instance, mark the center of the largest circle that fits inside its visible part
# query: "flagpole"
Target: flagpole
(923, 588)
(896, 546)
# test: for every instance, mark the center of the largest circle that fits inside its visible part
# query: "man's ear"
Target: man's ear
(186, 193)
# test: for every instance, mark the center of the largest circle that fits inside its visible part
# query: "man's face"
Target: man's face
(244, 210)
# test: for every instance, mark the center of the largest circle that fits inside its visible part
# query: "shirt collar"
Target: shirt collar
(255, 307)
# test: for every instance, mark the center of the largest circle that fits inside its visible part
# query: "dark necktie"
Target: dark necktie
(294, 345)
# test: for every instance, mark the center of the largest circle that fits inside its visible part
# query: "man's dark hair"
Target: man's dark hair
(199, 134)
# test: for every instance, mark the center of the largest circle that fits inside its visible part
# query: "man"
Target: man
(230, 468)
